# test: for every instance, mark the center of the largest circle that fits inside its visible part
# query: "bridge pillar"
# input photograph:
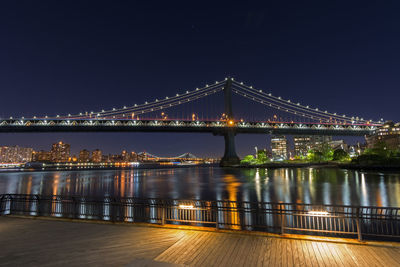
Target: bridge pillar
(230, 157)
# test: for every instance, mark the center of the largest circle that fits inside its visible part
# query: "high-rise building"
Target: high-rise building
(279, 147)
(84, 156)
(97, 156)
(133, 157)
(41, 156)
(389, 133)
(60, 152)
(302, 144)
(125, 156)
(15, 154)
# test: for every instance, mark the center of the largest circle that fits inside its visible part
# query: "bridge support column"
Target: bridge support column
(230, 157)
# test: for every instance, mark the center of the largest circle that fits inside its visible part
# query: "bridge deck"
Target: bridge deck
(28, 242)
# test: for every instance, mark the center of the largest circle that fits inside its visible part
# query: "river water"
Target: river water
(298, 185)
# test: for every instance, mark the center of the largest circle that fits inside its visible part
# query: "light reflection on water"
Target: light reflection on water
(303, 185)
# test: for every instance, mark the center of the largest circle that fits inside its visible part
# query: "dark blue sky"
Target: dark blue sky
(59, 57)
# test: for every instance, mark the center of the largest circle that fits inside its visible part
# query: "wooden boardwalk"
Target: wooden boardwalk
(29, 242)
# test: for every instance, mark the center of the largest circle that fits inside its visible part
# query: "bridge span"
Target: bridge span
(214, 127)
(127, 119)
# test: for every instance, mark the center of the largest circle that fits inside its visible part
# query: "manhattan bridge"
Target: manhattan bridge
(202, 111)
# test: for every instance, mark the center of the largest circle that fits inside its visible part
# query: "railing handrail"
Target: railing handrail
(162, 200)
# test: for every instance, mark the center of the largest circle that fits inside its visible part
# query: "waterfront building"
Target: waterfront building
(302, 144)
(15, 154)
(84, 156)
(42, 156)
(60, 152)
(279, 147)
(389, 133)
(125, 156)
(97, 156)
(339, 144)
(133, 157)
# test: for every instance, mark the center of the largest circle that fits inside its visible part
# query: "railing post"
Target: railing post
(1, 205)
(282, 220)
(216, 217)
(359, 224)
(163, 215)
(37, 205)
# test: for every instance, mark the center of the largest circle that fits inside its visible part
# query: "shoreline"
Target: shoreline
(321, 165)
(142, 167)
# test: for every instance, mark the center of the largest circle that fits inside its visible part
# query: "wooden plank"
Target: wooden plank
(191, 246)
(380, 256)
(337, 257)
(206, 250)
(359, 257)
(234, 241)
(311, 253)
(320, 259)
(265, 252)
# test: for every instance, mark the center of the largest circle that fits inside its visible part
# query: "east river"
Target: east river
(298, 185)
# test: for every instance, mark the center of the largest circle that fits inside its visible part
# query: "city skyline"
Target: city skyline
(88, 60)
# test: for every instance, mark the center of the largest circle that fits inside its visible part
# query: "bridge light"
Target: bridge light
(197, 89)
(318, 213)
(206, 85)
(69, 115)
(260, 91)
(270, 94)
(241, 83)
(186, 207)
(230, 122)
(124, 107)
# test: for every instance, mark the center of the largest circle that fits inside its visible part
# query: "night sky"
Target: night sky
(60, 57)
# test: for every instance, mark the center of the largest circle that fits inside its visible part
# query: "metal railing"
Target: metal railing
(291, 218)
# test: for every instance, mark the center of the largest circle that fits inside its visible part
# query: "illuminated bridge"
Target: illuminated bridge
(197, 111)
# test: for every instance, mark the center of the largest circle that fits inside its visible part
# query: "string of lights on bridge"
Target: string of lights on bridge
(239, 88)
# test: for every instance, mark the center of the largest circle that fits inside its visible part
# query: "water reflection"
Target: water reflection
(304, 185)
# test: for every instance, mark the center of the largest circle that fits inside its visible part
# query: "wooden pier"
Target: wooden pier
(44, 242)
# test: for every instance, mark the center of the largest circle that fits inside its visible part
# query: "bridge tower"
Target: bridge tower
(230, 157)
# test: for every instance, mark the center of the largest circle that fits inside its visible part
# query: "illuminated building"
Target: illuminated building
(303, 143)
(97, 156)
(41, 156)
(279, 147)
(338, 144)
(60, 152)
(14, 154)
(133, 157)
(125, 156)
(389, 133)
(84, 156)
